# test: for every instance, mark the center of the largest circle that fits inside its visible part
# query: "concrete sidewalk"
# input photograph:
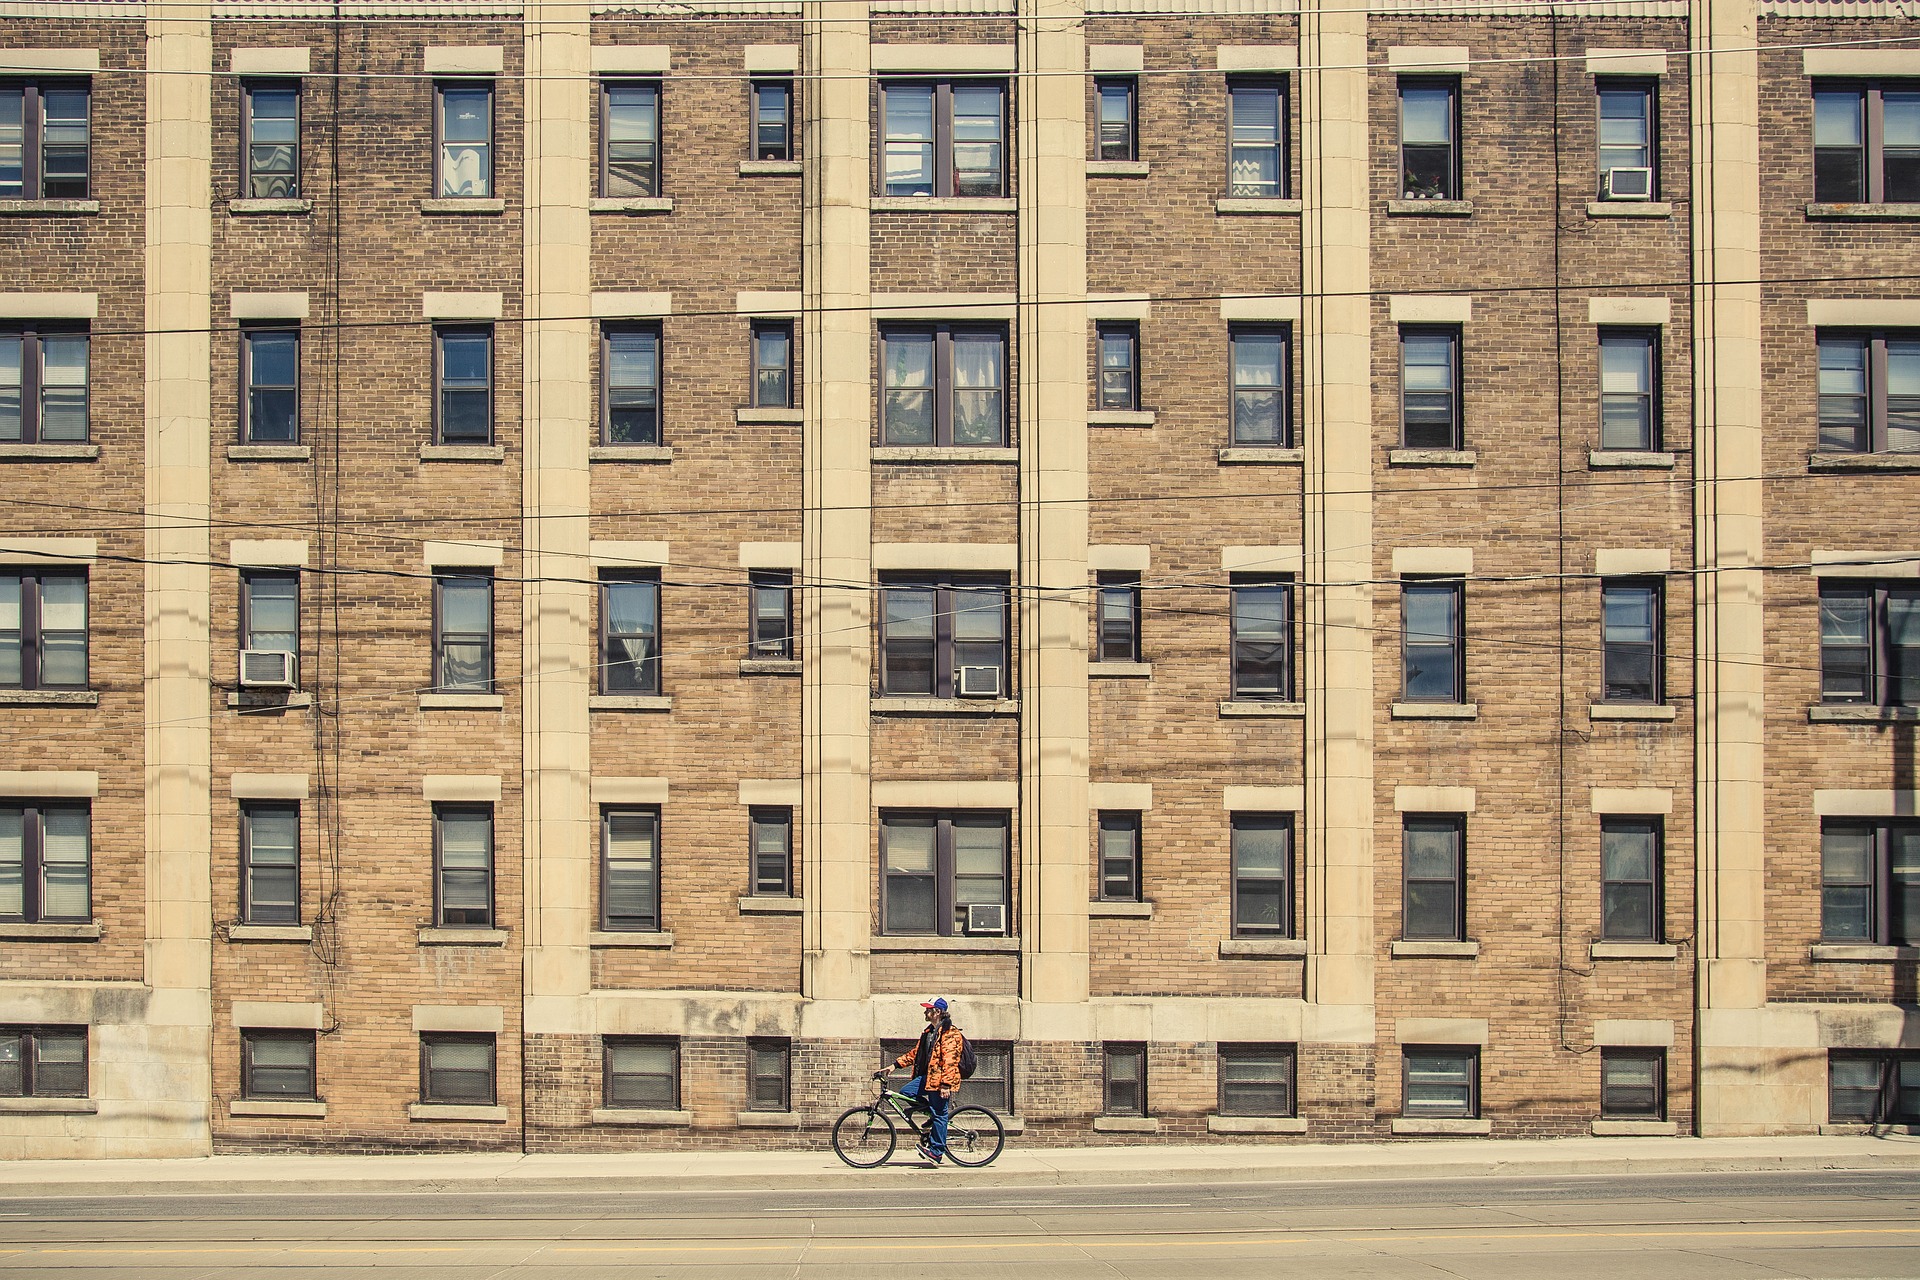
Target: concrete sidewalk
(791, 1171)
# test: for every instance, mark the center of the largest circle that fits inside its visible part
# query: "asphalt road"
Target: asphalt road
(1674, 1227)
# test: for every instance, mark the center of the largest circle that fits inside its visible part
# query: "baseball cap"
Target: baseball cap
(938, 1002)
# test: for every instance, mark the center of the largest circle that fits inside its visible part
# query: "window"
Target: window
(1262, 640)
(1870, 392)
(773, 119)
(1430, 388)
(1124, 1079)
(1633, 1083)
(630, 634)
(1119, 364)
(770, 841)
(43, 385)
(1873, 1088)
(1626, 139)
(1263, 875)
(992, 1083)
(630, 870)
(463, 631)
(43, 1062)
(1629, 389)
(46, 859)
(270, 611)
(770, 608)
(269, 863)
(1869, 643)
(462, 867)
(1866, 142)
(629, 139)
(1118, 612)
(1630, 878)
(277, 1064)
(1632, 655)
(769, 1072)
(1442, 1083)
(945, 385)
(43, 140)
(1257, 159)
(463, 385)
(642, 1073)
(1429, 140)
(1262, 402)
(1119, 855)
(457, 1067)
(773, 364)
(942, 639)
(630, 384)
(1870, 883)
(272, 139)
(1432, 647)
(270, 370)
(936, 865)
(43, 630)
(1256, 1079)
(1116, 119)
(1435, 907)
(943, 138)
(463, 123)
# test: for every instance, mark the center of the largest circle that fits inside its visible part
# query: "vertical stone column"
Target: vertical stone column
(1052, 343)
(1337, 416)
(1735, 1092)
(837, 538)
(178, 666)
(558, 655)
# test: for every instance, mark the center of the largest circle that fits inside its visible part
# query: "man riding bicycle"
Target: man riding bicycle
(934, 1064)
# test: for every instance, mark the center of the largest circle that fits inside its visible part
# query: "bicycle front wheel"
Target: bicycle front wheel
(863, 1137)
(974, 1136)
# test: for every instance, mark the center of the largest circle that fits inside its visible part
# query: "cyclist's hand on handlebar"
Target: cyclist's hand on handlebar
(880, 1075)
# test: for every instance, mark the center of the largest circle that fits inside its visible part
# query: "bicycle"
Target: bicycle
(865, 1136)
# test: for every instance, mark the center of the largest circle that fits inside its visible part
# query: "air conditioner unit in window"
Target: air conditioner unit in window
(986, 917)
(979, 682)
(1629, 184)
(268, 669)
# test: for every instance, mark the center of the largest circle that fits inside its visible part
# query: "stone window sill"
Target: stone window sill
(1863, 462)
(1435, 711)
(768, 1119)
(85, 931)
(1847, 713)
(269, 933)
(1256, 206)
(442, 936)
(256, 700)
(1119, 670)
(49, 697)
(629, 453)
(49, 452)
(634, 940)
(463, 453)
(767, 417)
(771, 906)
(1262, 948)
(1117, 168)
(1263, 455)
(1890, 211)
(1433, 1127)
(1614, 459)
(1407, 949)
(1256, 1124)
(1431, 457)
(482, 205)
(1635, 1129)
(637, 204)
(770, 666)
(1430, 208)
(48, 208)
(49, 1106)
(1860, 953)
(944, 204)
(916, 453)
(637, 1118)
(1629, 711)
(1120, 417)
(289, 1109)
(937, 946)
(886, 705)
(1633, 951)
(629, 702)
(255, 206)
(1120, 910)
(769, 168)
(1263, 710)
(1126, 1124)
(1629, 209)
(450, 1111)
(462, 701)
(269, 453)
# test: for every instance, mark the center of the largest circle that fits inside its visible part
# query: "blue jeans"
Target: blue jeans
(938, 1106)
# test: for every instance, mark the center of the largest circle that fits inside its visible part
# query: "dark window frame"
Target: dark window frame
(612, 334)
(604, 90)
(1120, 394)
(249, 335)
(30, 1036)
(1879, 669)
(441, 635)
(1456, 399)
(1655, 647)
(1111, 1103)
(764, 585)
(1619, 890)
(1649, 336)
(33, 860)
(1656, 1106)
(464, 84)
(250, 909)
(252, 1037)
(1287, 1055)
(249, 176)
(944, 387)
(1891, 1102)
(1456, 930)
(650, 679)
(441, 389)
(762, 817)
(249, 579)
(609, 1045)
(1281, 146)
(32, 336)
(1456, 644)
(1284, 428)
(33, 145)
(609, 923)
(1881, 924)
(1116, 640)
(1473, 1053)
(1876, 408)
(33, 629)
(756, 145)
(1247, 820)
(1871, 93)
(1127, 886)
(756, 1077)
(489, 915)
(1241, 687)
(1649, 87)
(945, 872)
(1454, 188)
(429, 1040)
(758, 371)
(945, 668)
(1127, 147)
(944, 172)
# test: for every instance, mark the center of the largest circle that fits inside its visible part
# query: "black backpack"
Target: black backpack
(968, 1063)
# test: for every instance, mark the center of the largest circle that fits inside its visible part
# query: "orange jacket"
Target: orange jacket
(944, 1071)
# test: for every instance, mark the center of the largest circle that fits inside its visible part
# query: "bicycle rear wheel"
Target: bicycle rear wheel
(974, 1136)
(863, 1137)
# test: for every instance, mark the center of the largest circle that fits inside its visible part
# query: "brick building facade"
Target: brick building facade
(1283, 558)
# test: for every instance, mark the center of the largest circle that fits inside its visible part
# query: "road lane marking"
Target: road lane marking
(960, 1208)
